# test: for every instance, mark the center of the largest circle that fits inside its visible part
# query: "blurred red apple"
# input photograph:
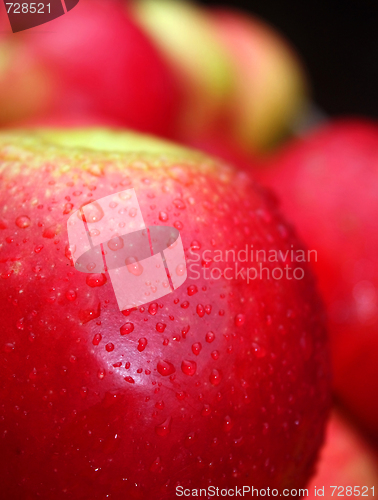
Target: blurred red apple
(347, 465)
(223, 382)
(328, 184)
(92, 61)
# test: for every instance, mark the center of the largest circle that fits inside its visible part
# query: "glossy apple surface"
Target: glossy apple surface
(221, 382)
(328, 184)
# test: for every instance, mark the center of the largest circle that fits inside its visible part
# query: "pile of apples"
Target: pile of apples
(222, 383)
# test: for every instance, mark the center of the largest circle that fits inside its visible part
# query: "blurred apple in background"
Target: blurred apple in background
(93, 61)
(187, 37)
(270, 89)
(240, 77)
(328, 184)
(346, 460)
(167, 67)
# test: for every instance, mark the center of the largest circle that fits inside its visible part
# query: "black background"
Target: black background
(338, 43)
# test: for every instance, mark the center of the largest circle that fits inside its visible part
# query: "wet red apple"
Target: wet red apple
(223, 382)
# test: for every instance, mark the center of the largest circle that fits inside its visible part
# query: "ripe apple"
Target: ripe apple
(328, 184)
(94, 60)
(223, 382)
(240, 76)
(346, 461)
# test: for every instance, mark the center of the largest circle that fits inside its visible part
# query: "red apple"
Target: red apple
(347, 466)
(92, 61)
(328, 184)
(222, 383)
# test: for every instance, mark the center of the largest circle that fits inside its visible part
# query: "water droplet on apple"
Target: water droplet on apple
(215, 377)
(189, 367)
(115, 243)
(259, 351)
(179, 204)
(142, 344)
(133, 266)
(153, 308)
(196, 348)
(71, 295)
(239, 319)
(164, 428)
(23, 221)
(165, 368)
(227, 424)
(95, 280)
(87, 315)
(195, 245)
(109, 347)
(127, 328)
(210, 337)
(160, 327)
(97, 339)
(206, 410)
(200, 310)
(192, 289)
(180, 270)
(90, 212)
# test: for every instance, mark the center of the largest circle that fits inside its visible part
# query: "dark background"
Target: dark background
(338, 43)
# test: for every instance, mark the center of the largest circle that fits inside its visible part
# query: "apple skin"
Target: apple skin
(328, 184)
(346, 459)
(94, 60)
(75, 424)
